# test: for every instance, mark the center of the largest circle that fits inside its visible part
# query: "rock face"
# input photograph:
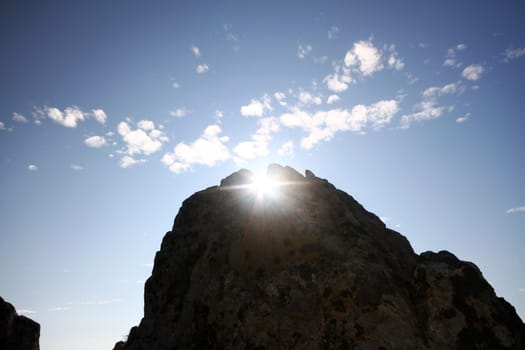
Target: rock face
(17, 332)
(307, 267)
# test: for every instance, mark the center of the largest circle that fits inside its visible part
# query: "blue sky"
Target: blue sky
(113, 112)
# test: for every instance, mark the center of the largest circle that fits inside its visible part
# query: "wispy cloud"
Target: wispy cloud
(32, 167)
(76, 167)
(128, 161)
(19, 118)
(196, 51)
(450, 58)
(2, 125)
(512, 54)
(95, 141)
(515, 210)
(230, 35)
(332, 32)
(303, 50)
(429, 108)
(463, 118)
(473, 72)
(394, 61)
(208, 149)
(202, 68)
(179, 112)
(99, 115)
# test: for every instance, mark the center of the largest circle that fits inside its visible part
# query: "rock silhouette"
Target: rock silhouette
(17, 332)
(307, 267)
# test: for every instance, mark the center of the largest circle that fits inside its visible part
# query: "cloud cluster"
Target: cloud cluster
(512, 54)
(144, 140)
(258, 146)
(322, 125)
(257, 107)
(303, 51)
(362, 61)
(71, 116)
(450, 58)
(429, 108)
(473, 72)
(208, 149)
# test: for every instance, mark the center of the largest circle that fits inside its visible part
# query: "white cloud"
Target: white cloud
(32, 167)
(332, 99)
(364, 56)
(256, 108)
(127, 161)
(2, 125)
(463, 118)
(450, 58)
(512, 54)
(68, 118)
(100, 115)
(179, 112)
(395, 62)
(473, 72)
(280, 96)
(258, 146)
(196, 51)
(219, 115)
(175, 84)
(202, 68)
(19, 118)
(303, 51)
(332, 32)
(515, 210)
(208, 149)
(427, 110)
(286, 150)
(77, 167)
(144, 140)
(337, 82)
(323, 125)
(306, 98)
(95, 141)
(451, 88)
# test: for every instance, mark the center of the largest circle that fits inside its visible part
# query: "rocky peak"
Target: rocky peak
(17, 332)
(305, 266)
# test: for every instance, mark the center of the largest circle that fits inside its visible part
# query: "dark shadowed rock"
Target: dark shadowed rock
(309, 268)
(17, 332)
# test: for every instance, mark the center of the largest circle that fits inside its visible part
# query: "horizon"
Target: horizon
(111, 114)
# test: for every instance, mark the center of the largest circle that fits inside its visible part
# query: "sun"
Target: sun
(263, 185)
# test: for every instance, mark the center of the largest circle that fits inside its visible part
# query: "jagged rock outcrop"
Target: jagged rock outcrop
(17, 332)
(307, 267)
